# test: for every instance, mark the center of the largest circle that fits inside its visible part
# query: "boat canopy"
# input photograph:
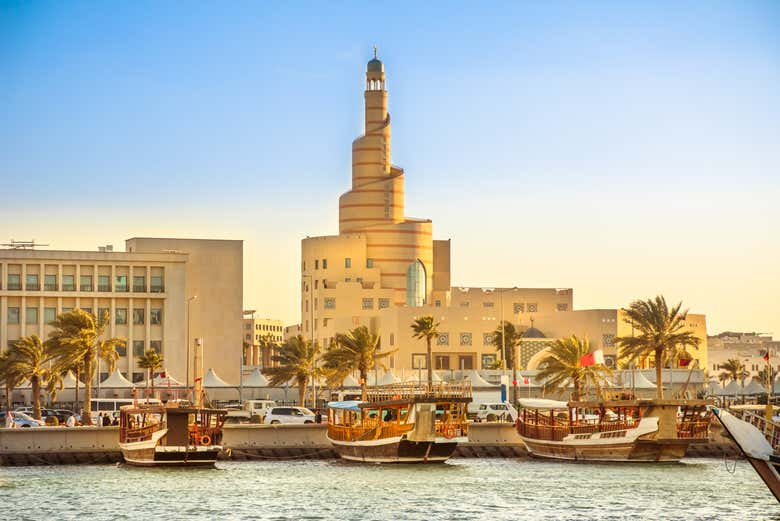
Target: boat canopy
(541, 403)
(348, 405)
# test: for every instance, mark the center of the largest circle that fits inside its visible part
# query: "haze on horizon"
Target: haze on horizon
(623, 150)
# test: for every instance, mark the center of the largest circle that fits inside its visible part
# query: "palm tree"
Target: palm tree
(151, 361)
(9, 377)
(29, 359)
(734, 370)
(267, 347)
(507, 339)
(296, 360)
(357, 350)
(562, 366)
(77, 339)
(425, 327)
(661, 331)
(767, 375)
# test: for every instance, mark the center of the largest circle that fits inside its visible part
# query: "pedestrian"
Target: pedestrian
(71, 421)
(115, 422)
(106, 420)
(317, 416)
(9, 420)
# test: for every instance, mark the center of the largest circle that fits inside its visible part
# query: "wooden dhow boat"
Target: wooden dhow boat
(759, 441)
(153, 435)
(401, 423)
(620, 430)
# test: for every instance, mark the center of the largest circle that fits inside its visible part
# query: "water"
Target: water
(461, 489)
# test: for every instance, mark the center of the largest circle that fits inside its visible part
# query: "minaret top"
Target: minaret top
(375, 65)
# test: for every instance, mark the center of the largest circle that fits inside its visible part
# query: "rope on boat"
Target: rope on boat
(733, 468)
(301, 456)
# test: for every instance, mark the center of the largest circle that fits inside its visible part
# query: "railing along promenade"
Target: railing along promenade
(442, 391)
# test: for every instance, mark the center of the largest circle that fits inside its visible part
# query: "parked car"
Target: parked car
(64, 414)
(289, 415)
(24, 420)
(253, 411)
(496, 412)
(45, 414)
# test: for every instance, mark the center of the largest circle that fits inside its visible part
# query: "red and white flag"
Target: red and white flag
(596, 357)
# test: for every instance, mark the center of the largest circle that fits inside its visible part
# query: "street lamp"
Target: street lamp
(189, 301)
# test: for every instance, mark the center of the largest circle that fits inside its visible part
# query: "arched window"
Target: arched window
(415, 284)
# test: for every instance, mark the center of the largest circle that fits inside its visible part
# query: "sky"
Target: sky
(623, 149)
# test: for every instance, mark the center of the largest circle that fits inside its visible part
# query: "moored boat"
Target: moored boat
(153, 435)
(621, 430)
(401, 423)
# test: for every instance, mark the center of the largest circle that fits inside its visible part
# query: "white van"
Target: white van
(112, 406)
(250, 410)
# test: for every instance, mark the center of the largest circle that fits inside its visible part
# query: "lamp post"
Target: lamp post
(311, 337)
(189, 301)
(503, 345)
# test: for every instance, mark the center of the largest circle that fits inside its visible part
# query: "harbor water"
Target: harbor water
(461, 489)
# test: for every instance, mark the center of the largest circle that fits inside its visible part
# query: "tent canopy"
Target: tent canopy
(732, 389)
(211, 380)
(753, 388)
(636, 380)
(541, 403)
(115, 381)
(476, 379)
(159, 381)
(255, 379)
(350, 381)
(388, 379)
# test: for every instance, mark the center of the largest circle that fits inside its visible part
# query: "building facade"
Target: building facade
(748, 348)
(384, 269)
(258, 332)
(147, 290)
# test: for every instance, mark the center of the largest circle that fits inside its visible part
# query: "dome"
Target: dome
(532, 332)
(375, 65)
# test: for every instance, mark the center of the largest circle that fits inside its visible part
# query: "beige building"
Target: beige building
(385, 269)
(255, 331)
(748, 348)
(147, 291)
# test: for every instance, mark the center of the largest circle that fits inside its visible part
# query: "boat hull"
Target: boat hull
(395, 450)
(638, 451)
(171, 456)
(769, 471)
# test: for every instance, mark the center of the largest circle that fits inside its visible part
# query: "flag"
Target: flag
(596, 357)
(526, 381)
(766, 356)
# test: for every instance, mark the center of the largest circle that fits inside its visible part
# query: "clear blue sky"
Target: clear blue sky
(620, 148)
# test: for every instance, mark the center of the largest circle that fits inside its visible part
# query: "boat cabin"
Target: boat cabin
(186, 426)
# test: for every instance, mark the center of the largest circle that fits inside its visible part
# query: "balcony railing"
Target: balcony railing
(14, 287)
(50, 287)
(121, 289)
(157, 289)
(69, 287)
(139, 289)
(86, 287)
(33, 287)
(104, 287)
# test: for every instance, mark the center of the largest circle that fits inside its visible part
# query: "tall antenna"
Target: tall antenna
(22, 245)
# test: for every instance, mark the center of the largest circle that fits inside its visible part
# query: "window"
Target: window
(85, 283)
(488, 361)
(419, 361)
(31, 316)
(155, 316)
(359, 279)
(465, 339)
(104, 283)
(138, 316)
(533, 307)
(487, 339)
(248, 326)
(488, 304)
(443, 339)
(369, 263)
(464, 304)
(102, 312)
(138, 348)
(392, 339)
(32, 282)
(348, 279)
(120, 315)
(324, 264)
(465, 362)
(608, 340)
(248, 338)
(415, 284)
(316, 283)
(437, 303)
(139, 284)
(347, 262)
(316, 264)
(14, 281)
(384, 303)
(368, 303)
(330, 303)
(49, 315)
(121, 350)
(120, 283)
(562, 307)
(157, 284)
(86, 310)
(13, 315)
(137, 377)
(156, 345)
(68, 283)
(66, 310)
(50, 282)
(316, 301)
(517, 307)
(441, 362)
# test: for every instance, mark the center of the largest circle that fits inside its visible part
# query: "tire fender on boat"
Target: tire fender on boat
(205, 440)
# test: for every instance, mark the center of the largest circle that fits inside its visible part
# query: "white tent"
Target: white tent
(211, 380)
(350, 381)
(713, 387)
(753, 388)
(776, 386)
(636, 380)
(255, 379)
(389, 378)
(69, 381)
(160, 382)
(476, 379)
(116, 381)
(732, 389)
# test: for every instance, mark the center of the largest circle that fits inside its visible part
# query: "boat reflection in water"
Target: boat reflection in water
(621, 430)
(401, 423)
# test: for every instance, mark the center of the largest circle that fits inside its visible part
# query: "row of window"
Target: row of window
(454, 362)
(50, 314)
(139, 347)
(330, 303)
(347, 263)
(263, 327)
(276, 338)
(121, 284)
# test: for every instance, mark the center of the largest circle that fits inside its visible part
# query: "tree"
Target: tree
(267, 347)
(426, 328)
(358, 350)
(734, 370)
(767, 375)
(507, 339)
(151, 361)
(562, 366)
(77, 340)
(661, 331)
(247, 350)
(296, 360)
(8, 375)
(29, 359)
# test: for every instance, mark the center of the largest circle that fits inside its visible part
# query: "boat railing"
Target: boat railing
(771, 430)
(366, 432)
(453, 428)
(136, 434)
(417, 391)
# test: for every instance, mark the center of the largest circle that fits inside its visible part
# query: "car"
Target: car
(24, 420)
(279, 415)
(45, 414)
(496, 412)
(64, 414)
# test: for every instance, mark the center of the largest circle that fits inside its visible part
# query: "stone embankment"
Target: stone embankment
(60, 445)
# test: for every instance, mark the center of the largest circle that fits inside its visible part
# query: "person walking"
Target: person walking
(106, 420)
(71, 421)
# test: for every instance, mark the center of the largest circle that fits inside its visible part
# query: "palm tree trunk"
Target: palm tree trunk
(8, 391)
(659, 368)
(430, 363)
(363, 379)
(151, 381)
(301, 392)
(35, 383)
(86, 419)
